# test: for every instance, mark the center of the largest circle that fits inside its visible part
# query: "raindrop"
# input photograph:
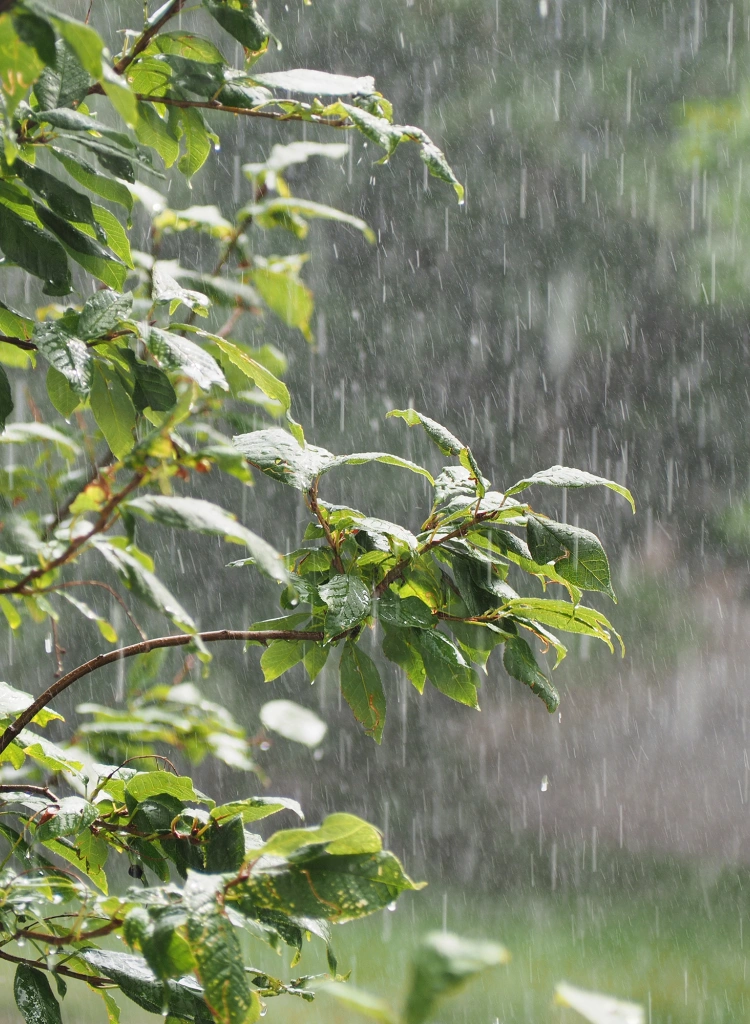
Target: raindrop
(545, 784)
(392, 906)
(48, 643)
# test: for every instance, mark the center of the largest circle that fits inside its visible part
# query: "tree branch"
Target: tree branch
(146, 37)
(144, 647)
(99, 526)
(27, 346)
(273, 115)
(41, 965)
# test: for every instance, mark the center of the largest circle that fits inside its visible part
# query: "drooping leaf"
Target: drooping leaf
(166, 289)
(113, 411)
(100, 184)
(357, 999)
(20, 63)
(447, 442)
(63, 199)
(242, 21)
(218, 954)
(204, 517)
(399, 647)
(61, 393)
(362, 689)
(34, 997)
(442, 964)
(65, 83)
(446, 667)
(279, 656)
(13, 702)
(288, 211)
(520, 663)
(36, 251)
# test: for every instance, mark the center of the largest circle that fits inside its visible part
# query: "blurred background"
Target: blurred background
(586, 306)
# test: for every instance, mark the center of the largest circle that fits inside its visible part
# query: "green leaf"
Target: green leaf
(442, 965)
(60, 197)
(358, 1000)
(6, 399)
(69, 817)
(185, 44)
(105, 628)
(241, 20)
(82, 39)
(13, 702)
(399, 647)
(67, 353)
(286, 296)
(519, 662)
(65, 83)
(84, 249)
(195, 139)
(19, 63)
(153, 389)
(334, 888)
(180, 354)
(37, 32)
(61, 393)
(166, 289)
(447, 443)
(339, 834)
(154, 132)
(113, 411)
(577, 554)
(9, 611)
(277, 453)
(36, 251)
(120, 95)
(446, 667)
(408, 611)
(184, 998)
(270, 385)
(167, 952)
(348, 601)
(218, 954)
(145, 584)
(563, 476)
(293, 722)
(102, 312)
(255, 808)
(146, 785)
(567, 617)
(100, 184)
(362, 689)
(288, 211)
(24, 433)
(88, 855)
(34, 997)
(279, 657)
(204, 517)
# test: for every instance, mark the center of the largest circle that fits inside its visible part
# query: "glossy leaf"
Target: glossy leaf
(102, 312)
(348, 602)
(34, 997)
(519, 662)
(181, 354)
(577, 554)
(113, 411)
(563, 476)
(362, 689)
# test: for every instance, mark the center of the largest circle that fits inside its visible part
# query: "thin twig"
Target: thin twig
(102, 524)
(95, 583)
(272, 115)
(27, 346)
(42, 965)
(143, 40)
(176, 640)
(30, 790)
(312, 501)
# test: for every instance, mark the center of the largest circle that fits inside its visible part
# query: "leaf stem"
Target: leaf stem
(312, 501)
(145, 38)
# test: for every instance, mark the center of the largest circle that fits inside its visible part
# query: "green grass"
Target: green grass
(673, 938)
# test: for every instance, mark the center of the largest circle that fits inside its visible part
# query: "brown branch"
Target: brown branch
(65, 508)
(31, 790)
(27, 346)
(176, 640)
(146, 37)
(312, 501)
(272, 115)
(102, 524)
(63, 940)
(41, 965)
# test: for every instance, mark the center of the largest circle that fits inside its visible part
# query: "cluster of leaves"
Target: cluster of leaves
(452, 573)
(148, 400)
